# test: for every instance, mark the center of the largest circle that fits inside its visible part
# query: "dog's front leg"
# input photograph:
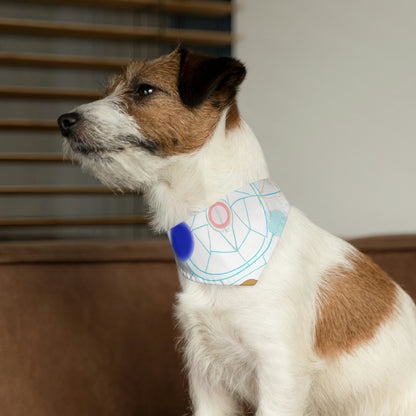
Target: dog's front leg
(283, 386)
(209, 399)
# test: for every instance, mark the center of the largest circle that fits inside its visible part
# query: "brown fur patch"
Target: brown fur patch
(353, 302)
(233, 116)
(162, 117)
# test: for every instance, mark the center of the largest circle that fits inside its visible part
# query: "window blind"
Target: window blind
(55, 55)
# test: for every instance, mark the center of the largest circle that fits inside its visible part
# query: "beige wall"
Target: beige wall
(331, 95)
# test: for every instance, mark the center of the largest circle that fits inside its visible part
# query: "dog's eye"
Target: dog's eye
(144, 90)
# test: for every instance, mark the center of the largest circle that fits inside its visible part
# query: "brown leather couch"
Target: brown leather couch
(86, 328)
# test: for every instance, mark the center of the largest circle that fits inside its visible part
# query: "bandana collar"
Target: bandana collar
(230, 242)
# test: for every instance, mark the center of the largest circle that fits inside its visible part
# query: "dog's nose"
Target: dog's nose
(67, 121)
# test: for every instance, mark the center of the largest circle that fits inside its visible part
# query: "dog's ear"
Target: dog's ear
(202, 77)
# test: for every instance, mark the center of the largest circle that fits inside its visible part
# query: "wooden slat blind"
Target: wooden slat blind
(76, 30)
(31, 157)
(28, 60)
(49, 93)
(56, 61)
(36, 222)
(201, 8)
(56, 190)
(17, 124)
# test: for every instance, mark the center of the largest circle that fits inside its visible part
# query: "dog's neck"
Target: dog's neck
(231, 159)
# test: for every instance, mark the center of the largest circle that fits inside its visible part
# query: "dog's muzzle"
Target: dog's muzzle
(67, 123)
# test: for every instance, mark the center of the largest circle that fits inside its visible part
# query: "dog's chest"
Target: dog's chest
(215, 342)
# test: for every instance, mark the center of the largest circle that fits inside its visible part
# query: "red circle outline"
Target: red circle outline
(228, 211)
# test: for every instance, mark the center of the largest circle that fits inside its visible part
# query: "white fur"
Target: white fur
(107, 121)
(257, 343)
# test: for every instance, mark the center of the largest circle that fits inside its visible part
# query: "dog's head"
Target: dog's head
(152, 112)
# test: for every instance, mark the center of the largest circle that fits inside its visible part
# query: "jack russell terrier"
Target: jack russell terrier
(275, 312)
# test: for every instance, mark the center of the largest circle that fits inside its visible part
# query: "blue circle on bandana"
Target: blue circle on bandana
(182, 241)
(277, 222)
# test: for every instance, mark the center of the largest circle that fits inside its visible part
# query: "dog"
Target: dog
(322, 331)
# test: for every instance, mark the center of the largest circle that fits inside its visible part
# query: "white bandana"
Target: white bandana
(231, 242)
